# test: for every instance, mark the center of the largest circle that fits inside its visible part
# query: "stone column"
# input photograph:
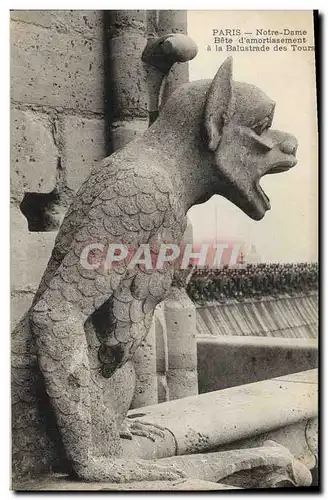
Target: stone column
(161, 353)
(126, 94)
(146, 377)
(180, 324)
(180, 318)
(173, 21)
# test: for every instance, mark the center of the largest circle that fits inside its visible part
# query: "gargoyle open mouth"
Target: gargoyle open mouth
(277, 168)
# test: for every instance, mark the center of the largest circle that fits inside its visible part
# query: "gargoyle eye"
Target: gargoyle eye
(262, 125)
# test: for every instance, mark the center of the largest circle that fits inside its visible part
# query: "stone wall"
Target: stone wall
(233, 361)
(57, 130)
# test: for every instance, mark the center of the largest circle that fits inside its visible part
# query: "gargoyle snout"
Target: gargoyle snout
(289, 146)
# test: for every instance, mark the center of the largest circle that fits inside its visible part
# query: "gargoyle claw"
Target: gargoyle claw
(132, 428)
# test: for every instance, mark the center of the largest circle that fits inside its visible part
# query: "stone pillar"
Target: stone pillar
(125, 85)
(180, 325)
(173, 21)
(146, 378)
(180, 318)
(161, 353)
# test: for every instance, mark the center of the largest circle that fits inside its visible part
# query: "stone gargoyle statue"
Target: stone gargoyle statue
(71, 390)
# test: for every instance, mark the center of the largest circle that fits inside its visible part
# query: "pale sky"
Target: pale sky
(288, 232)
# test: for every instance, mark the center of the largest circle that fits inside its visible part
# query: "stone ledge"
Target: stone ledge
(63, 483)
(249, 340)
(237, 360)
(205, 422)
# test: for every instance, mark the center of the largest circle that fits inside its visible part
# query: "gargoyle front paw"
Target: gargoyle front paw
(125, 432)
(131, 427)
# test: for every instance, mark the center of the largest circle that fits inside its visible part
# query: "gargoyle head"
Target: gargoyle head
(237, 119)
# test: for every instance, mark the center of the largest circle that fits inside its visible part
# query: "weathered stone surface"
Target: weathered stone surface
(33, 153)
(144, 362)
(231, 361)
(180, 319)
(173, 21)
(300, 438)
(217, 418)
(162, 388)
(311, 437)
(180, 324)
(19, 304)
(88, 23)
(269, 466)
(161, 353)
(128, 77)
(148, 449)
(123, 22)
(126, 131)
(161, 339)
(63, 483)
(182, 383)
(83, 144)
(145, 390)
(56, 69)
(32, 251)
(127, 90)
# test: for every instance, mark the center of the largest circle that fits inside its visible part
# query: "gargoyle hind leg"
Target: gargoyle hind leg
(277, 465)
(58, 326)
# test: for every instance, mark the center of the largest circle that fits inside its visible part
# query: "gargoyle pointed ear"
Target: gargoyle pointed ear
(219, 104)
